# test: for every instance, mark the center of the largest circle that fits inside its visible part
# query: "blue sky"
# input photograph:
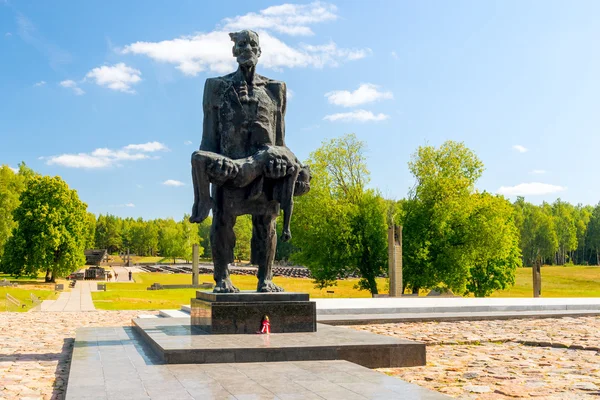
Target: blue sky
(108, 94)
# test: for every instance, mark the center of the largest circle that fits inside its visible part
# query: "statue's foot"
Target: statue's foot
(225, 286)
(200, 212)
(268, 286)
(286, 235)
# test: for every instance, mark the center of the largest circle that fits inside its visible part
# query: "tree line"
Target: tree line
(454, 236)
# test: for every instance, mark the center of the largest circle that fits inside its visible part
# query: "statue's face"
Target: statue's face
(246, 49)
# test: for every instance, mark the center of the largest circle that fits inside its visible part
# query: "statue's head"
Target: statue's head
(246, 48)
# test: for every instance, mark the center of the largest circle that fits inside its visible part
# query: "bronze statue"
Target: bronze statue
(244, 156)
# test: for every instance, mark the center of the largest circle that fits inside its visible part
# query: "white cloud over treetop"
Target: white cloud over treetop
(118, 77)
(103, 157)
(211, 51)
(530, 189)
(356, 116)
(366, 93)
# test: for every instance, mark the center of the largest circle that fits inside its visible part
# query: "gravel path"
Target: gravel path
(36, 347)
(536, 358)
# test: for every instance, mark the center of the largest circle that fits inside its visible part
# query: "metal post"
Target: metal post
(195, 264)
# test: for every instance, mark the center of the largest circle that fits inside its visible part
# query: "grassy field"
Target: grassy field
(134, 296)
(27, 286)
(568, 281)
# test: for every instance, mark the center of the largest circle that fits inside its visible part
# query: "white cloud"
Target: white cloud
(366, 93)
(173, 182)
(15, 170)
(119, 77)
(147, 147)
(290, 94)
(530, 189)
(128, 205)
(103, 157)
(139, 186)
(72, 85)
(290, 19)
(520, 149)
(356, 116)
(187, 142)
(40, 83)
(211, 51)
(538, 171)
(8, 34)
(394, 55)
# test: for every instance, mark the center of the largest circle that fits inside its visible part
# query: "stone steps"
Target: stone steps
(173, 314)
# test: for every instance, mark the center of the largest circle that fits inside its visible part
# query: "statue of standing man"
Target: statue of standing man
(244, 156)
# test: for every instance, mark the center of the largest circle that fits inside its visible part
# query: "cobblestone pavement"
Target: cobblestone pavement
(36, 347)
(541, 358)
(553, 358)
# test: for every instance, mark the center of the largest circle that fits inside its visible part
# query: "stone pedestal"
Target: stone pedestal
(242, 313)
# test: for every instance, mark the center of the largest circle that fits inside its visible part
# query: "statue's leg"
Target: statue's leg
(222, 241)
(264, 243)
(201, 182)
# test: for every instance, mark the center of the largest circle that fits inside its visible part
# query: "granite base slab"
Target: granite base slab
(242, 313)
(175, 341)
(115, 364)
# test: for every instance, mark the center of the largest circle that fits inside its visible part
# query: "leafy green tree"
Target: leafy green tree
(566, 230)
(145, 237)
(369, 239)
(493, 241)
(108, 233)
(243, 236)
(204, 234)
(339, 227)
(51, 231)
(593, 234)
(436, 217)
(169, 239)
(12, 185)
(582, 220)
(90, 231)
(539, 241)
(189, 237)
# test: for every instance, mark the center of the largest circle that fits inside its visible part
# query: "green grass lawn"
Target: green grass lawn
(567, 281)
(26, 286)
(134, 296)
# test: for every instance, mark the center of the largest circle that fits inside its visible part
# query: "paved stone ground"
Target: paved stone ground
(536, 358)
(36, 347)
(468, 360)
(78, 298)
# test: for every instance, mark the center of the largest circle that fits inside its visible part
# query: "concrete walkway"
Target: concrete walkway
(78, 299)
(122, 274)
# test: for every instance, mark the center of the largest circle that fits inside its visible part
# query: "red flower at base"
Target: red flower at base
(266, 325)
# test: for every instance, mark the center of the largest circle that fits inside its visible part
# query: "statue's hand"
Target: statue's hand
(223, 169)
(280, 163)
(277, 168)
